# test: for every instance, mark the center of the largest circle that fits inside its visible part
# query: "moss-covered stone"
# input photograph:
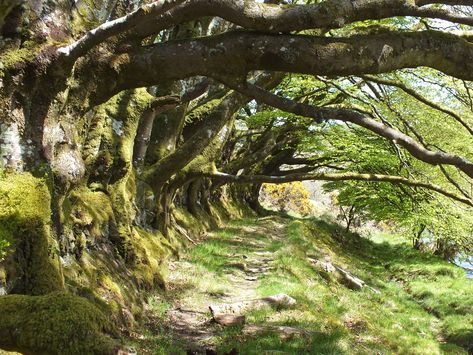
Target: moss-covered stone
(87, 209)
(189, 222)
(25, 218)
(56, 323)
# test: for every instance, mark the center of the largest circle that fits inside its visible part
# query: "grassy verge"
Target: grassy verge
(425, 305)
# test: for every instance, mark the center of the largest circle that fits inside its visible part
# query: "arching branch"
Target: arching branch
(420, 98)
(159, 15)
(276, 19)
(115, 27)
(444, 2)
(324, 113)
(245, 179)
(238, 52)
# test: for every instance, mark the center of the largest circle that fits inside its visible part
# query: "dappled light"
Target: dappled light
(236, 177)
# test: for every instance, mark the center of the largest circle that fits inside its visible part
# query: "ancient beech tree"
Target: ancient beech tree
(117, 116)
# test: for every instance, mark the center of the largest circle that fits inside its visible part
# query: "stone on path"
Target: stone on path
(241, 266)
(263, 253)
(279, 300)
(229, 319)
(259, 269)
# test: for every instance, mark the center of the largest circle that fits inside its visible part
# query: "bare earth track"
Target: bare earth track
(189, 319)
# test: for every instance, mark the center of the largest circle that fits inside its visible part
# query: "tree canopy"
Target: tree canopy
(168, 101)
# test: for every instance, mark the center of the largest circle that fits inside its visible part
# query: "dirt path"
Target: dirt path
(231, 273)
(235, 264)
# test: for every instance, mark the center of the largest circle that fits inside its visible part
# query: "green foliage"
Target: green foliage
(263, 118)
(292, 196)
(4, 247)
(354, 149)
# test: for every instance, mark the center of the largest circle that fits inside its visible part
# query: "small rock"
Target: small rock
(326, 266)
(263, 253)
(229, 319)
(127, 351)
(281, 299)
(349, 280)
(253, 270)
(374, 290)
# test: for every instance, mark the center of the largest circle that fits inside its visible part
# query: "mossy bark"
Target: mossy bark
(25, 221)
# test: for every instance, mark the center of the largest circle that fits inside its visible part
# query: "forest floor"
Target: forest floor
(411, 303)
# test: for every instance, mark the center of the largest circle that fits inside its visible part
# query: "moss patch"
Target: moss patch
(150, 249)
(15, 58)
(57, 323)
(25, 223)
(87, 208)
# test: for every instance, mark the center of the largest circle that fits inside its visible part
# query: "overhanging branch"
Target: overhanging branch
(159, 15)
(325, 113)
(284, 19)
(420, 98)
(238, 52)
(245, 179)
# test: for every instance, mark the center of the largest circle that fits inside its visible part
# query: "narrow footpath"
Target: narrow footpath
(227, 276)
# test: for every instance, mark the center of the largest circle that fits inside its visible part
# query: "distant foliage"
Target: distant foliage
(4, 248)
(431, 222)
(292, 196)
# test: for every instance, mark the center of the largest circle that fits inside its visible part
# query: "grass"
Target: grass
(425, 305)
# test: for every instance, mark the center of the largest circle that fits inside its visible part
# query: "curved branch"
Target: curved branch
(115, 27)
(276, 19)
(420, 98)
(453, 182)
(444, 2)
(145, 126)
(236, 53)
(157, 16)
(245, 179)
(324, 113)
